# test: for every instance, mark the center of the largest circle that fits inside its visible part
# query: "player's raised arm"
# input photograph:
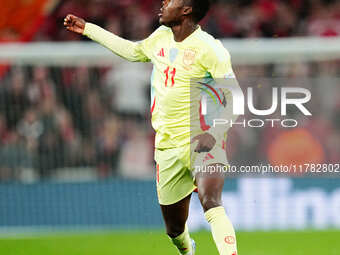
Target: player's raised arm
(126, 49)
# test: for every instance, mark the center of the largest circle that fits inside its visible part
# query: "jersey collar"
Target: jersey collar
(198, 29)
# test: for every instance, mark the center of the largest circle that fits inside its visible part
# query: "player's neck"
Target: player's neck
(183, 30)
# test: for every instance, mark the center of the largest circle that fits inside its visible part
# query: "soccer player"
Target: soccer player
(180, 51)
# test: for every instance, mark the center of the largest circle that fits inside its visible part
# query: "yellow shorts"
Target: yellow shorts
(176, 168)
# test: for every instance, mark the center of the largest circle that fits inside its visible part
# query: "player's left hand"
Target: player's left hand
(205, 142)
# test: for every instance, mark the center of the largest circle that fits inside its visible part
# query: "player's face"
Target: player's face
(171, 12)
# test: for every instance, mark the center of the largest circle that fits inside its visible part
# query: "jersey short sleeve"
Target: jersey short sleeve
(217, 61)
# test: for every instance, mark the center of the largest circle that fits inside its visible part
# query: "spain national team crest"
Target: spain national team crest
(189, 58)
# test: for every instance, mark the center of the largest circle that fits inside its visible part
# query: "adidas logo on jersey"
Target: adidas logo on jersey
(161, 53)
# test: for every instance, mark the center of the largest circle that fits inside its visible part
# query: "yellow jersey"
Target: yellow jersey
(175, 65)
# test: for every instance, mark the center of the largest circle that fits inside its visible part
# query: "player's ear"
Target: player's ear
(187, 10)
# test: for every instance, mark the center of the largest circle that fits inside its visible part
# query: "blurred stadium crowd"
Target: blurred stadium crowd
(57, 118)
(234, 18)
(63, 117)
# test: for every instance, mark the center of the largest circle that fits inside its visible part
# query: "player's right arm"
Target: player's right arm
(132, 51)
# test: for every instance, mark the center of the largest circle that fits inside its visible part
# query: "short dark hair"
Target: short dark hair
(200, 8)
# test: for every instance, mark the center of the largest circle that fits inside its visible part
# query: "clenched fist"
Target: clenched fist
(74, 24)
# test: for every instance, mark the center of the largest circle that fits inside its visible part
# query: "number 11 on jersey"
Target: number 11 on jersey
(172, 73)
